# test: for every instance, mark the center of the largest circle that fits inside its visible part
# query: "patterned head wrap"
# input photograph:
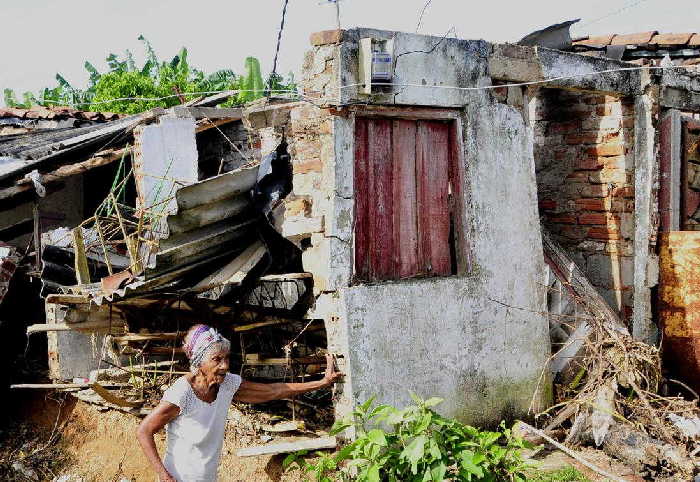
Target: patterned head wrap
(202, 342)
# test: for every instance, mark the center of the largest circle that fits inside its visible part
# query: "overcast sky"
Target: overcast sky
(42, 37)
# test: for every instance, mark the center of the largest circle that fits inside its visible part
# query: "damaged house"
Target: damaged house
(430, 223)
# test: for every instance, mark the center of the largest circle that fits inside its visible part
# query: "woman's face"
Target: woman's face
(215, 366)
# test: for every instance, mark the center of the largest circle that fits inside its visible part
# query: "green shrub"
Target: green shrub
(417, 444)
(156, 79)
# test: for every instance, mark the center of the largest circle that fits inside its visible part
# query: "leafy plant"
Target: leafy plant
(129, 89)
(417, 444)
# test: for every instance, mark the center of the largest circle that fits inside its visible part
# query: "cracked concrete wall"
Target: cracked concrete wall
(479, 341)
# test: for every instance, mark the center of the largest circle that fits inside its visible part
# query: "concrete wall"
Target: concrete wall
(479, 341)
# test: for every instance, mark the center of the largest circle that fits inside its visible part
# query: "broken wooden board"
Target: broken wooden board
(289, 447)
(583, 292)
(288, 426)
(236, 270)
(112, 398)
(256, 359)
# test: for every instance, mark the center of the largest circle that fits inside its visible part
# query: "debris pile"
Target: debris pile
(610, 392)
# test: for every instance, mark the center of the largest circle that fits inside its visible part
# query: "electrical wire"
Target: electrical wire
(296, 95)
(611, 14)
(279, 40)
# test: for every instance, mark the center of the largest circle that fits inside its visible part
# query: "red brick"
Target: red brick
(563, 127)
(560, 155)
(578, 176)
(627, 122)
(598, 218)
(590, 163)
(588, 138)
(326, 37)
(313, 165)
(573, 232)
(609, 149)
(592, 204)
(625, 191)
(547, 205)
(563, 219)
(607, 176)
(604, 233)
(604, 109)
(600, 190)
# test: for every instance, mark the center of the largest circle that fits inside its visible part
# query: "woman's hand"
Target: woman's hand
(331, 376)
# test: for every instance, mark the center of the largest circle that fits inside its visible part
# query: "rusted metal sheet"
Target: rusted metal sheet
(679, 303)
(403, 219)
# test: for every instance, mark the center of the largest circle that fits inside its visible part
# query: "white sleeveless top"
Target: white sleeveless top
(196, 435)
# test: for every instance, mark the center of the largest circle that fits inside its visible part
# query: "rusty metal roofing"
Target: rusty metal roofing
(650, 38)
(57, 113)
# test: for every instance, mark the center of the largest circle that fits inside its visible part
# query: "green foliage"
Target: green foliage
(416, 444)
(155, 84)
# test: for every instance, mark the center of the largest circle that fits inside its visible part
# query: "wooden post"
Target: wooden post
(37, 236)
(82, 272)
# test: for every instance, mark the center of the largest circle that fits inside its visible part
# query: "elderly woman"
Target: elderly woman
(194, 408)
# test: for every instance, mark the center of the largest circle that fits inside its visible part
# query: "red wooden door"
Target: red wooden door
(402, 185)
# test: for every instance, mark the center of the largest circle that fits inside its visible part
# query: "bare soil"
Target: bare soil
(101, 446)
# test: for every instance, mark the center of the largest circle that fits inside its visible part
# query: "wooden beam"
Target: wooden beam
(288, 447)
(82, 272)
(229, 113)
(267, 321)
(148, 337)
(286, 276)
(59, 299)
(256, 359)
(51, 386)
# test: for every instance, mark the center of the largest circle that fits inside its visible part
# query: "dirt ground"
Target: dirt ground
(102, 446)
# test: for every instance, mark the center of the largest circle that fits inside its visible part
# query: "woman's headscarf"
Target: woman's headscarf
(202, 342)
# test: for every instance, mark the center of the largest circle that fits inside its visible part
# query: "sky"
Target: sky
(43, 37)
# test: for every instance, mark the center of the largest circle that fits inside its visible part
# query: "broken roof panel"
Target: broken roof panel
(633, 38)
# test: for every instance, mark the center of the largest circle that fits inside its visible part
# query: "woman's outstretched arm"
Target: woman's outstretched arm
(252, 392)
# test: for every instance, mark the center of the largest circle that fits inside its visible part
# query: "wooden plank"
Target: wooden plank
(68, 299)
(229, 113)
(432, 166)
(256, 359)
(58, 386)
(288, 447)
(269, 321)
(362, 195)
(380, 188)
(409, 113)
(112, 398)
(82, 272)
(405, 197)
(89, 326)
(286, 276)
(148, 337)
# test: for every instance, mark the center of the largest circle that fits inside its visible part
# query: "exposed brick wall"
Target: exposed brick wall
(584, 156)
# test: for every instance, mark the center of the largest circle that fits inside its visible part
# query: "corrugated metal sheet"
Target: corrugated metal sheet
(214, 222)
(214, 217)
